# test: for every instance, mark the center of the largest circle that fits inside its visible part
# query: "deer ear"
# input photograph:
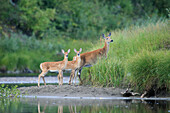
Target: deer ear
(80, 49)
(63, 51)
(109, 34)
(69, 51)
(75, 50)
(103, 36)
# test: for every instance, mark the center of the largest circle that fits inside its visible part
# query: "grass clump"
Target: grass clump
(150, 70)
(105, 73)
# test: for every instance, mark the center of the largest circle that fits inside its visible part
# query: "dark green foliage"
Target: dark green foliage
(76, 18)
(150, 8)
(34, 18)
(8, 14)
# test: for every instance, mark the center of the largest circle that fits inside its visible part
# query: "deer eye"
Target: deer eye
(106, 38)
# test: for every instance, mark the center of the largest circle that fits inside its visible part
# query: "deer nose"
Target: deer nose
(66, 55)
(111, 41)
(78, 54)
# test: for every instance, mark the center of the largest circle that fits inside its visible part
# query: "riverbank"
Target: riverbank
(71, 91)
(78, 91)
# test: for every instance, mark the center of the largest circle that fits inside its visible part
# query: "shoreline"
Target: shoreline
(71, 91)
(79, 92)
(97, 98)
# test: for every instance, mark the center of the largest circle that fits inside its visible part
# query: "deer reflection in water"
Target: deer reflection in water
(39, 111)
(60, 108)
(71, 109)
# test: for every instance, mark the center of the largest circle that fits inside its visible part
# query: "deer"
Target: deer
(90, 58)
(73, 65)
(54, 67)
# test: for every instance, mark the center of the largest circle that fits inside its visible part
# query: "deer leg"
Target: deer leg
(58, 76)
(79, 75)
(61, 77)
(41, 75)
(39, 80)
(70, 77)
(44, 80)
(75, 76)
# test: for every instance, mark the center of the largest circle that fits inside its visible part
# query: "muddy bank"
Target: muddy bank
(71, 91)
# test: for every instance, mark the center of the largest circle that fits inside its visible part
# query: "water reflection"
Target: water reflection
(39, 111)
(60, 109)
(104, 106)
(37, 105)
(72, 109)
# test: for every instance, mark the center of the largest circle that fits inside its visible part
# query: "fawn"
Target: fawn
(54, 67)
(73, 65)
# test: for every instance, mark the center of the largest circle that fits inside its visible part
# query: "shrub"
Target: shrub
(5, 91)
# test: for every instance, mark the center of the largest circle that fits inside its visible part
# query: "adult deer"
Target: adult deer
(73, 65)
(54, 67)
(90, 58)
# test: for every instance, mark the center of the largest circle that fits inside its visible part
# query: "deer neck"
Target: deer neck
(106, 48)
(65, 61)
(78, 60)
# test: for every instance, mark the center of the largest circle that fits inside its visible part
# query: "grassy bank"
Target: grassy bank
(138, 55)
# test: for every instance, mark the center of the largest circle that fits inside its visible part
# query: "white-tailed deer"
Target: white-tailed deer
(54, 67)
(90, 58)
(73, 65)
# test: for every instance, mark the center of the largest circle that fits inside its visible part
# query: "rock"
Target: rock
(3, 69)
(26, 70)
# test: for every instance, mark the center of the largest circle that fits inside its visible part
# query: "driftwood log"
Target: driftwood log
(129, 93)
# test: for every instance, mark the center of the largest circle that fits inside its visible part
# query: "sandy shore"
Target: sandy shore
(71, 91)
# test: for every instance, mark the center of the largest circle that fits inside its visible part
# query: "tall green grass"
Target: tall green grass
(126, 45)
(150, 70)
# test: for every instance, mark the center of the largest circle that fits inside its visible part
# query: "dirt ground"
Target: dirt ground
(71, 91)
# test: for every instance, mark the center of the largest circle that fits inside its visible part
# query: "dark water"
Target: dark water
(37, 105)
